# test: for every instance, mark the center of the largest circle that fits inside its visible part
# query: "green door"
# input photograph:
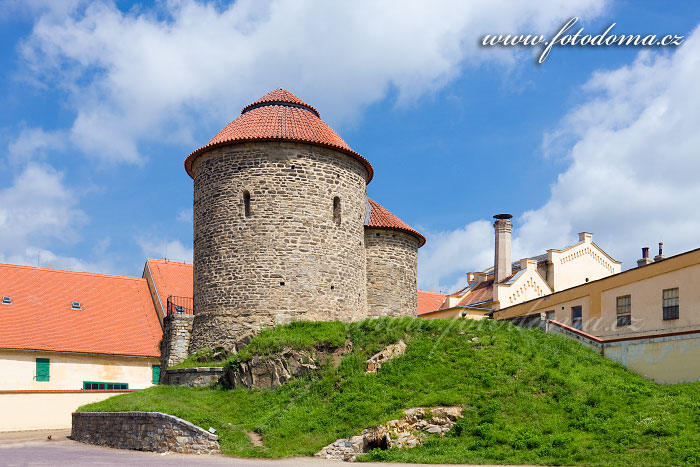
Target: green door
(42, 369)
(156, 373)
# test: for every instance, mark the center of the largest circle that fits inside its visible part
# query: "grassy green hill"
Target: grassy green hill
(528, 397)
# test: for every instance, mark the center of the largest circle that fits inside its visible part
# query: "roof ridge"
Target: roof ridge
(68, 271)
(381, 218)
(168, 261)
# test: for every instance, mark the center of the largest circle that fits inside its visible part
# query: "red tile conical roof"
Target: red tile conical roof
(381, 218)
(279, 115)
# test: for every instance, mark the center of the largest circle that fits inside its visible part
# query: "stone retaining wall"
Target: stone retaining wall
(143, 431)
(193, 377)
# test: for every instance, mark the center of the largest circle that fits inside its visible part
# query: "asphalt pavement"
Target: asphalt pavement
(34, 448)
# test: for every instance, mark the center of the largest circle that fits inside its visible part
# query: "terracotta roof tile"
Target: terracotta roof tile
(279, 115)
(482, 292)
(429, 301)
(171, 278)
(117, 315)
(381, 218)
(281, 96)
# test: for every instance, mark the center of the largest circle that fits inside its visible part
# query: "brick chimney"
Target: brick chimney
(502, 265)
(660, 256)
(645, 258)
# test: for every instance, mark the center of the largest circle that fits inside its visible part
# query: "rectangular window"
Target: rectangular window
(577, 317)
(92, 385)
(42, 369)
(155, 370)
(670, 304)
(624, 310)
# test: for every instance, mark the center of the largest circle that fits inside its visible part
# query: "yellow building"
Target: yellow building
(70, 338)
(647, 318)
(507, 283)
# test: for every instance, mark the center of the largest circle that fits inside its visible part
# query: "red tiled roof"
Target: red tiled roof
(429, 301)
(282, 96)
(117, 316)
(171, 278)
(482, 292)
(381, 218)
(279, 115)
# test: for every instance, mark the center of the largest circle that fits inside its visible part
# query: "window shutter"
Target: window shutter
(42, 369)
(156, 373)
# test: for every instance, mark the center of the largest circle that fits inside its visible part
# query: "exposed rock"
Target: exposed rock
(389, 353)
(272, 371)
(407, 432)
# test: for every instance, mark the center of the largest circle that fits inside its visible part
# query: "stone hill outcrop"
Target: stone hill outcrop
(271, 371)
(407, 432)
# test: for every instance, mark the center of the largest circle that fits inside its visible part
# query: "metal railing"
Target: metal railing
(179, 305)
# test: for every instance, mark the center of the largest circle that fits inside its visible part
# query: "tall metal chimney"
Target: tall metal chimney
(660, 256)
(502, 265)
(645, 257)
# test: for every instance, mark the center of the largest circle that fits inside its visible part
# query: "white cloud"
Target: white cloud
(185, 216)
(447, 256)
(634, 151)
(634, 164)
(36, 210)
(33, 143)
(154, 76)
(157, 248)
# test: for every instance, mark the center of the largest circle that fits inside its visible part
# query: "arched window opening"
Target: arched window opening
(336, 210)
(246, 203)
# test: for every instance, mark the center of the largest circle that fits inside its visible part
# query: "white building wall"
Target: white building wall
(69, 370)
(581, 263)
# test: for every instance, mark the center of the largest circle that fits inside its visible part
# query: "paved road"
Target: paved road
(34, 449)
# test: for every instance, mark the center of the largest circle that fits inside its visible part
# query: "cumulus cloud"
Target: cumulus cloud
(156, 75)
(185, 216)
(34, 143)
(632, 178)
(443, 259)
(38, 209)
(161, 248)
(634, 163)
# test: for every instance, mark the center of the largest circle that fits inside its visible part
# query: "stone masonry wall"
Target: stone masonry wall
(143, 431)
(392, 268)
(289, 259)
(177, 330)
(193, 377)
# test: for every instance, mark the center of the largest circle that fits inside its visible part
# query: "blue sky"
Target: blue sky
(102, 101)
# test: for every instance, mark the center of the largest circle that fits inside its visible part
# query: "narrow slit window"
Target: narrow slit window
(246, 203)
(336, 210)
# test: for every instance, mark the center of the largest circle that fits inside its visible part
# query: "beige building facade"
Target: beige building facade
(30, 370)
(40, 390)
(647, 318)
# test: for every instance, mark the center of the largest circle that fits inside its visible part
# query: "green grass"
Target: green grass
(529, 397)
(204, 358)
